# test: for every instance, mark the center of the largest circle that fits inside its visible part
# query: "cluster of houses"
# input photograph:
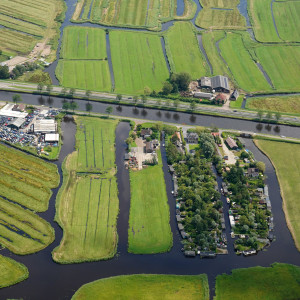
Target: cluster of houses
(214, 88)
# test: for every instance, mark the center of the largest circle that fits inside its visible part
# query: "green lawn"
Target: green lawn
(26, 179)
(22, 231)
(281, 281)
(286, 159)
(138, 62)
(220, 19)
(91, 75)
(237, 103)
(287, 20)
(149, 229)
(261, 18)
(241, 64)
(285, 104)
(156, 287)
(83, 43)
(183, 50)
(11, 272)
(95, 142)
(87, 204)
(282, 63)
(209, 39)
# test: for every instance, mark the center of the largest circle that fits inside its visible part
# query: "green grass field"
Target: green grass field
(83, 43)
(149, 229)
(87, 204)
(289, 179)
(285, 104)
(219, 3)
(237, 103)
(84, 74)
(281, 281)
(282, 63)
(34, 19)
(138, 62)
(22, 231)
(11, 272)
(167, 287)
(26, 179)
(209, 39)
(287, 20)
(183, 50)
(261, 18)
(246, 73)
(95, 139)
(127, 13)
(220, 19)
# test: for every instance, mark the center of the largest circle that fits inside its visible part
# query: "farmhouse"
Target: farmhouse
(146, 133)
(149, 147)
(218, 83)
(231, 143)
(234, 95)
(192, 138)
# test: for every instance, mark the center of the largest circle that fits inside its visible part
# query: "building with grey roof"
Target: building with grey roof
(220, 84)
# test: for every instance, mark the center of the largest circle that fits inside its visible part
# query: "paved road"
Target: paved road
(208, 109)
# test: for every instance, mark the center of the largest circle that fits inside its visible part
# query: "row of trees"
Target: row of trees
(268, 116)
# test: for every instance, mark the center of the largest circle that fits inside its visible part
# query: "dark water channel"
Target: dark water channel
(49, 280)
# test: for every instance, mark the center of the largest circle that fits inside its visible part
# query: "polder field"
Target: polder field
(287, 170)
(138, 62)
(83, 62)
(25, 179)
(26, 23)
(280, 281)
(149, 229)
(128, 13)
(149, 287)
(183, 50)
(284, 104)
(11, 272)
(87, 203)
(211, 18)
(22, 231)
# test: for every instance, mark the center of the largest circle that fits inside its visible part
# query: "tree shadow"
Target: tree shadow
(119, 108)
(277, 129)
(144, 113)
(193, 118)
(168, 115)
(268, 127)
(41, 100)
(176, 117)
(158, 113)
(50, 101)
(135, 111)
(259, 127)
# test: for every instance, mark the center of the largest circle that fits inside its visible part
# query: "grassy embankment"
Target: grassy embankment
(127, 13)
(25, 179)
(183, 50)
(149, 229)
(87, 204)
(286, 160)
(27, 23)
(138, 62)
(84, 60)
(281, 281)
(148, 287)
(11, 272)
(284, 104)
(287, 20)
(261, 18)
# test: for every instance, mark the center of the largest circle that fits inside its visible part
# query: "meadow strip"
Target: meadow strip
(168, 287)
(11, 272)
(285, 158)
(149, 229)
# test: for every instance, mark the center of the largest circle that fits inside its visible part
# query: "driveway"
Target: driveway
(231, 160)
